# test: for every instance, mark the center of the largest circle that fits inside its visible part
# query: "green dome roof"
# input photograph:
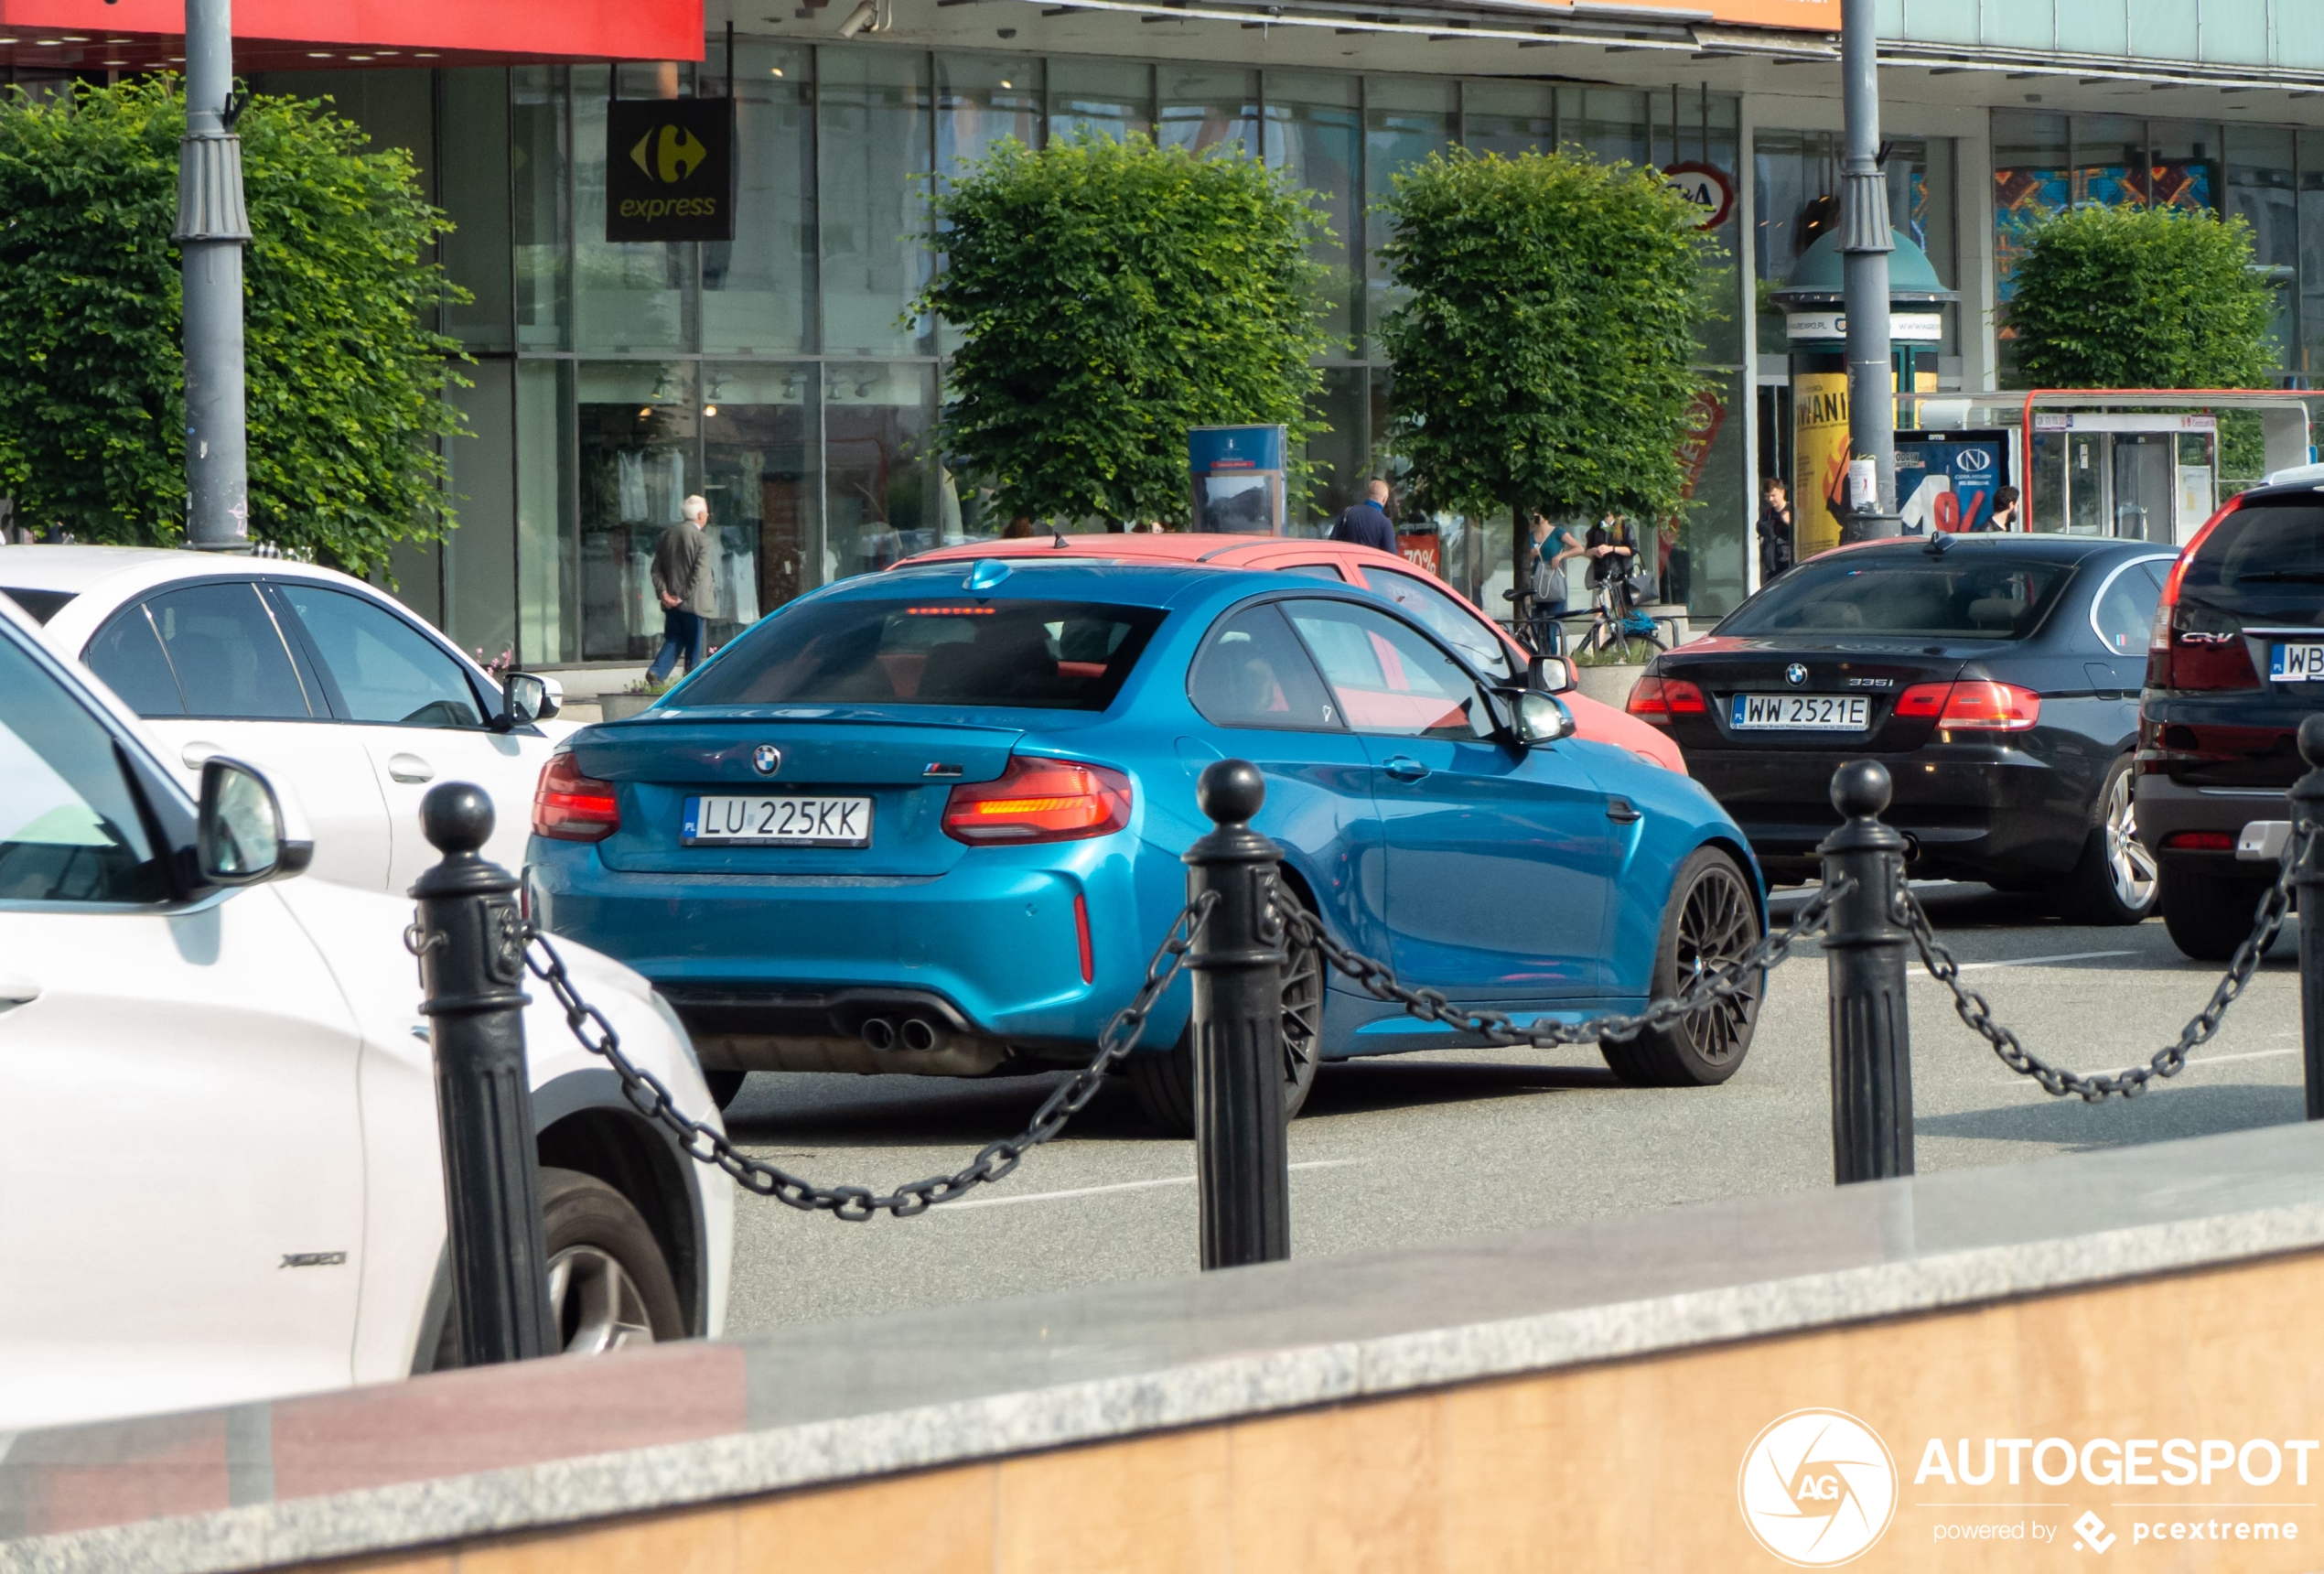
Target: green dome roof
(1817, 278)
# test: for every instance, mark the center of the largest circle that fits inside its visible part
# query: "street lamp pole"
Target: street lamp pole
(212, 229)
(1865, 245)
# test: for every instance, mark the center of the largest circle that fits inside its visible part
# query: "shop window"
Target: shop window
(757, 290)
(539, 215)
(1203, 108)
(2261, 190)
(759, 443)
(875, 140)
(883, 497)
(1405, 119)
(633, 295)
(1313, 136)
(639, 427)
(548, 560)
(1508, 118)
(1336, 454)
(2184, 167)
(472, 114)
(2311, 254)
(1606, 122)
(1111, 98)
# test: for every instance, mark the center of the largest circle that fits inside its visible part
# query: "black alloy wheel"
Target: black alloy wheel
(1164, 1084)
(1712, 920)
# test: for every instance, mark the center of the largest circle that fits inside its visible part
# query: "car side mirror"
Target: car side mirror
(1550, 674)
(239, 837)
(1535, 718)
(525, 699)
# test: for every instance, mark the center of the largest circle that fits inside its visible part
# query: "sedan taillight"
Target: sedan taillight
(572, 807)
(1657, 699)
(1972, 704)
(1040, 800)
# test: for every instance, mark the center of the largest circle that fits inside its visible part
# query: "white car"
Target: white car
(349, 703)
(219, 1171)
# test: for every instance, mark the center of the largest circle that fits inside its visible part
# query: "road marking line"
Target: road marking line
(1116, 1186)
(2029, 961)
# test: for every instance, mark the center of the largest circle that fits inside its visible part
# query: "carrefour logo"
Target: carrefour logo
(1818, 1488)
(668, 154)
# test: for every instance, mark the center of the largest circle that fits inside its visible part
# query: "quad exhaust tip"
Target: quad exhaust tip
(879, 1034)
(914, 1033)
(917, 1034)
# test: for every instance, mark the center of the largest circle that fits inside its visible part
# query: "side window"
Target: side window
(228, 654)
(386, 670)
(127, 654)
(1326, 571)
(1387, 677)
(69, 829)
(1447, 619)
(1253, 673)
(2124, 613)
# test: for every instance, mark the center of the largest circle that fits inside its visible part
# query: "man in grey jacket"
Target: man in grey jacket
(682, 579)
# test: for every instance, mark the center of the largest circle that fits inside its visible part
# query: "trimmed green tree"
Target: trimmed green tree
(2131, 296)
(1109, 296)
(345, 382)
(1543, 355)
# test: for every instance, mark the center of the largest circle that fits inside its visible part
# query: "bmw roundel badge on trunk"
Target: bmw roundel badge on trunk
(1795, 674)
(766, 760)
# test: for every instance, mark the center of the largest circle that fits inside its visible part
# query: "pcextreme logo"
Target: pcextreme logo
(1818, 1488)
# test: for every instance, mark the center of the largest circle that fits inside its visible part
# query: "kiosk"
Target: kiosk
(1238, 479)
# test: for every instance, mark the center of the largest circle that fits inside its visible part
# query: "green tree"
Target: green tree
(346, 381)
(1544, 357)
(2140, 297)
(1108, 297)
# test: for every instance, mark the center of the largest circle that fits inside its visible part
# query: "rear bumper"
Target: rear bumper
(1969, 811)
(2167, 807)
(948, 975)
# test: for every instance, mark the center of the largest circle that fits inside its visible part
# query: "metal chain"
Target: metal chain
(2168, 1061)
(707, 1145)
(1740, 977)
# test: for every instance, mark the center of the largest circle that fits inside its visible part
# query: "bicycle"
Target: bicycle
(1617, 627)
(1525, 626)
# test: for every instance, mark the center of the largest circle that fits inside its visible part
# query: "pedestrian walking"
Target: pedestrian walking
(2005, 511)
(1553, 546)
(1366, 523)
(684, 581)
(1778, 548)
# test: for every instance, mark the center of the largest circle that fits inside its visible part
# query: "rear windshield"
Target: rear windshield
(42, 605)
(938, 650)
(1956, 596)
(2266, 559)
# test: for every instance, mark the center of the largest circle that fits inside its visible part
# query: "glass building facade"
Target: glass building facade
(782, 376)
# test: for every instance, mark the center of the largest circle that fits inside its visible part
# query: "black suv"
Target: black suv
(2236, 661)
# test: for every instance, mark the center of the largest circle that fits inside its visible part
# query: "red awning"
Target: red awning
(326, 35)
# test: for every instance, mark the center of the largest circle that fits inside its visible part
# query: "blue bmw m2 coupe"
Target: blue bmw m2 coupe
(930, 821)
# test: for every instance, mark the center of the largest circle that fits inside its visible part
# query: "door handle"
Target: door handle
(196, 754)
(1623, 812)
(410, 767)
(17, 991)
(1404, 768)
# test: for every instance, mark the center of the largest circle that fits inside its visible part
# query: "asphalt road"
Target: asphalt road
(1457, 1142)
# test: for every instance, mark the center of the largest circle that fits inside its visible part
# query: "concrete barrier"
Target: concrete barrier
(1594, 1397)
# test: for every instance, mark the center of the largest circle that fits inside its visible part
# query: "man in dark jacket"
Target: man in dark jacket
(1778, 547)
(1366, 522)
(683, 583)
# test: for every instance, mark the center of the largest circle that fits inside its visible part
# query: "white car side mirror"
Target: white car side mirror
(240, 837)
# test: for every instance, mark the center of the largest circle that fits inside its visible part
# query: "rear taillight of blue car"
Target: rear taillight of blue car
(572, 807)
(1040, 800)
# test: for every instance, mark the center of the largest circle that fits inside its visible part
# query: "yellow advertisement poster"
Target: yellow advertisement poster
(1819, 450)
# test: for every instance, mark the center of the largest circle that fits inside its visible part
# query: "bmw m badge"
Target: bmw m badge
(1795, 674)
(766, 760)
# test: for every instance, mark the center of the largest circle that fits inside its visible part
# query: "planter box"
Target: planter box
(618, 706)
(1608, 684)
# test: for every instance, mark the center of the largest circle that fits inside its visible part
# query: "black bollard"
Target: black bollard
(472, 947)
(2307, 814)
(1242, 1155)
(1864, 953)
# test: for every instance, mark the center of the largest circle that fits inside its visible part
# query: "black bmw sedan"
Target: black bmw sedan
(1997, 677)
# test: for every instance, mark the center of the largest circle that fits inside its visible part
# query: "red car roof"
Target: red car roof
(1600, 723)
